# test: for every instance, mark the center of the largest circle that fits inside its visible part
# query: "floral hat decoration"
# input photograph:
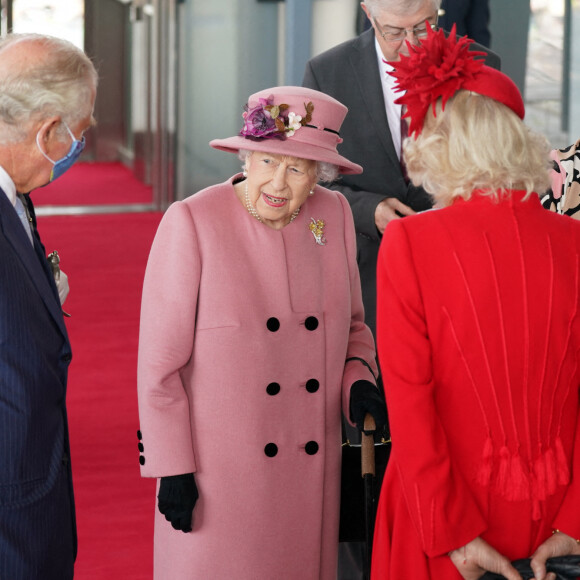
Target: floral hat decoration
(269, 121)
(293, 121)
(442, 65)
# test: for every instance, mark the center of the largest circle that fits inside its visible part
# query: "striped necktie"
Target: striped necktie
(19, 207)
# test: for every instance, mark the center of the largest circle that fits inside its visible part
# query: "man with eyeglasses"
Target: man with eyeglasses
(356, 74)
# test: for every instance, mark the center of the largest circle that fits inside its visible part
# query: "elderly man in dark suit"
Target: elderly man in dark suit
(47, 93)
(356, 74)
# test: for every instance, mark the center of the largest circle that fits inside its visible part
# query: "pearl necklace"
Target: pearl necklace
(254, 212)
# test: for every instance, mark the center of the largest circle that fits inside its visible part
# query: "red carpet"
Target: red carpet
(92, 184)
(105, 257)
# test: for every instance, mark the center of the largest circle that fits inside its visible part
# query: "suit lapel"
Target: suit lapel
(364, 66)
(32, 258)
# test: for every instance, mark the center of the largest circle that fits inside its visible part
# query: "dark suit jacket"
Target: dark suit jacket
(37, 525)
(471, 17)
(349, 73)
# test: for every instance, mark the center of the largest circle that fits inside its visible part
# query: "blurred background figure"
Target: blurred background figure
(470, 16)
(564, 195)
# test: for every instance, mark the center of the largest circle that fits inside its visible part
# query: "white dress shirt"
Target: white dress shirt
(393, 110)
(7, 185)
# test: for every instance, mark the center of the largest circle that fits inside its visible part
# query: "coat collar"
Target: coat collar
(33, 260)
(367, 76)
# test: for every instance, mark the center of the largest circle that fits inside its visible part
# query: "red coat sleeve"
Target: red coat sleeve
(441, 506)
(567, 519)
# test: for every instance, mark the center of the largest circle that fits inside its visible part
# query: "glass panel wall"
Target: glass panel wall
(228, 49)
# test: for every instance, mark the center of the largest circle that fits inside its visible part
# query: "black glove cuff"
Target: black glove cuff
(177, 497)
(366, 398)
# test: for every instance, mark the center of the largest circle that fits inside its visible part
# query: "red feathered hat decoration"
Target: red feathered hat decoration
(440, 66)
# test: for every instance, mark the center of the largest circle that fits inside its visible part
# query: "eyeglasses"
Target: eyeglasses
(394, 34)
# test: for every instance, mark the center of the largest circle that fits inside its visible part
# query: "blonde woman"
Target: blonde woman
(478, 337)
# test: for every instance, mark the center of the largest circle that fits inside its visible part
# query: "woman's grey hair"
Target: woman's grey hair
(62, 83)
(398, 7)
(325, 172)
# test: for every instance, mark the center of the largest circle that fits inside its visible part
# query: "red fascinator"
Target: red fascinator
(440, 66)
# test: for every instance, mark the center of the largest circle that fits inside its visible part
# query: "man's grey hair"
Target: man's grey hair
(60, 83)
(398, 7)
(326, 172)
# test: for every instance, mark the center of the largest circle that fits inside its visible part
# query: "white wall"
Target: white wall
(333, 22)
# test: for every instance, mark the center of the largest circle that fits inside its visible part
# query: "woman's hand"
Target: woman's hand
(366, 398)
(478, 557)
(558, 544)
(177, 497)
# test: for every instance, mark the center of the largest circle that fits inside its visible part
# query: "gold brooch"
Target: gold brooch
(317, 229)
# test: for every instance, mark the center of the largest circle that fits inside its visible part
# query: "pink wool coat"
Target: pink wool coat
(479, 344)
(244, 341)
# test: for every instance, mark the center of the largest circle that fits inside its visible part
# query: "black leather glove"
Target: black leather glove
(177, 497)
(366, 398)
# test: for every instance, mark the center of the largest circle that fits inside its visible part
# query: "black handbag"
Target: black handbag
(565, 568)
(352, 485)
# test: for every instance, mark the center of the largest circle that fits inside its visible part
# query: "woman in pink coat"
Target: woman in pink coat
(252, 342)
(478, 337)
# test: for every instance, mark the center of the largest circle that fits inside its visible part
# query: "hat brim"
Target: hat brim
(288, 147)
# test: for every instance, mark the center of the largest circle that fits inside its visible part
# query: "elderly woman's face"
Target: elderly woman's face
(278, 185)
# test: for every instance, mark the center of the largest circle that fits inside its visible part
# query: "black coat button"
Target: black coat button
(312, 385)
(67, 357)
(140, 447)
(271, 450)
(273, 389)
(141, 459)
(139, 435)
(273, 324)
(311, 448)
(311, 323)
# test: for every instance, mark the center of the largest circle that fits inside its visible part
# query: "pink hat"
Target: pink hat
(440, 66)
(292, 121)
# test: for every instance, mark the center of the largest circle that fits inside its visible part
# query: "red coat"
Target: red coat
(479, 344)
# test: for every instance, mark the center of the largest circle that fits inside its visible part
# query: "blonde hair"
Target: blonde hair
(476, 143)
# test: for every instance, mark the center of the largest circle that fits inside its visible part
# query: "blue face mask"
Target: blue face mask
(64, 164)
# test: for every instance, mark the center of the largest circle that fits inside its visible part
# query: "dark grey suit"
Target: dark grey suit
(349, 73)
(37, 522)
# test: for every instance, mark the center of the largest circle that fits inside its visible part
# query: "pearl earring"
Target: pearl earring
(311, 192)
(245, 173)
